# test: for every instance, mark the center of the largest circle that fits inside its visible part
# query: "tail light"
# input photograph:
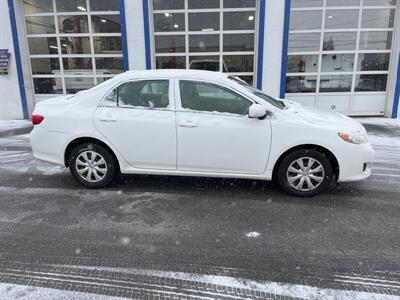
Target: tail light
(37, 119)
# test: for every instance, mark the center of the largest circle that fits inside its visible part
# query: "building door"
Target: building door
(339, 54)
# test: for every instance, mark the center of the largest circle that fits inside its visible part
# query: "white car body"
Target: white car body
(177, 141)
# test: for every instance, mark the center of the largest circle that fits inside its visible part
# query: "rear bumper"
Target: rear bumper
(48, 146)
(356, 162)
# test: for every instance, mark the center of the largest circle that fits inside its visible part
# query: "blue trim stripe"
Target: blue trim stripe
(123, 33)
(17, 55)
(147, 33)
(285, 48)
(396, 92)
(260, 51)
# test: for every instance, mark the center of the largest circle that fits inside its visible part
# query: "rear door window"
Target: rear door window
(144, 93)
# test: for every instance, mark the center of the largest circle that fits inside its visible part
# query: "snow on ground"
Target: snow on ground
(21, 140)
(20, 159)
(377, 140)
(379, 121)
(23, 292)
(382, 138)
(277, 288)
(6, 125)
(252, 234)
(23, 161)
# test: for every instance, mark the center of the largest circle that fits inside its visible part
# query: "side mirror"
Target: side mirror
(257, 111)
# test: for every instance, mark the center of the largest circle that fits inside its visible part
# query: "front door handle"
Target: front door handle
(188, 123)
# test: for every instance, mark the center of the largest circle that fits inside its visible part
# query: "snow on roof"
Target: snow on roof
(162, 73)
(198, 74)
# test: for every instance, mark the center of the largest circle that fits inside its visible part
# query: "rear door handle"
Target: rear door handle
(108, 118)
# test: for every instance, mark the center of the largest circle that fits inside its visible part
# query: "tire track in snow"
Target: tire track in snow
(188, 285)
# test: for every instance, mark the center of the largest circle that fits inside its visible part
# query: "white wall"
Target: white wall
(393, 66)
(10, 99)
(24, 54)
(273, 34)
(135, 34)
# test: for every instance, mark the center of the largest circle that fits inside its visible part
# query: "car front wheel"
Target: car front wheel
(92, 165)
(305, 173)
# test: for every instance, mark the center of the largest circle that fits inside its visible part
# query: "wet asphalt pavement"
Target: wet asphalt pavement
(55, 233)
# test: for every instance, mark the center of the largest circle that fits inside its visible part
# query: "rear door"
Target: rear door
(138, 118)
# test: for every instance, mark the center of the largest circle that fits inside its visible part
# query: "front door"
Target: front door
(138, 118)
(215, 133)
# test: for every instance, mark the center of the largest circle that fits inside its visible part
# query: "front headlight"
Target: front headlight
(355, 138)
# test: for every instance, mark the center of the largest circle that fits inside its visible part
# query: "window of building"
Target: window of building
(73, 44)
(339, 45)
(207, 35)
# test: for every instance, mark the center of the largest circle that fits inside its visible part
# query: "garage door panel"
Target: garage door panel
(369, 103)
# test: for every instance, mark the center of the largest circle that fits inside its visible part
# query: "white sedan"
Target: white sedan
(197, 123)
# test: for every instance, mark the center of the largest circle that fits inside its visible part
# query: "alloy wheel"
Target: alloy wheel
(91, 166)
(305, 174)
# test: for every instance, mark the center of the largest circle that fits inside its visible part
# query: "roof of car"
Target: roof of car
(170, 73)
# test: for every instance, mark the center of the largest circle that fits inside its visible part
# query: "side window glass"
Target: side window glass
(213, 98)
(146, 93)
(110, 99)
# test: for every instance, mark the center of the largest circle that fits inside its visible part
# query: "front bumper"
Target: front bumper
(355, 162)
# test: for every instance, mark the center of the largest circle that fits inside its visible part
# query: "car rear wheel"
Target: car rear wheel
(92, 165)
(305, 173)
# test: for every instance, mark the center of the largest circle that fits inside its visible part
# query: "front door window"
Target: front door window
(202, 96)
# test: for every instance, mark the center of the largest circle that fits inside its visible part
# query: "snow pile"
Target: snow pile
(15, 141)
(6, 125)
(252, 234)
(22, 292)
(23, 162)
(21, 159)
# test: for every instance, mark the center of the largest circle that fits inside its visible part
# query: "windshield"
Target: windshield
(258, 93)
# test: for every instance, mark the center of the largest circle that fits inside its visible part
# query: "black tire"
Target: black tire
(109, 165)
(324, 177)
